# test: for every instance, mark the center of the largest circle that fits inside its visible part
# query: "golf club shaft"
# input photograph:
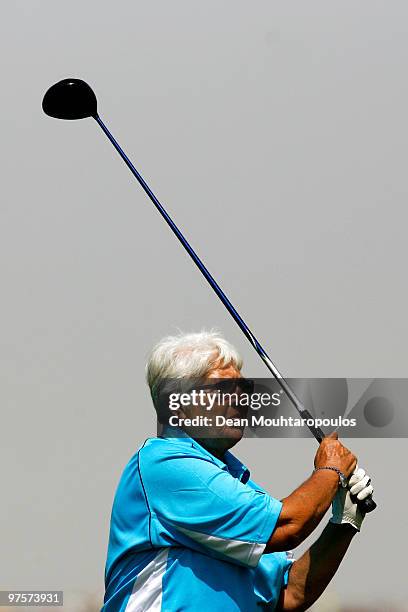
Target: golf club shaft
(368, 504)
(317, 432)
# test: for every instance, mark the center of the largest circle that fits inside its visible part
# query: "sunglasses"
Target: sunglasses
(230, 385)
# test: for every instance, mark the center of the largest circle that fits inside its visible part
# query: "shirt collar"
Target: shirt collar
(230, 463)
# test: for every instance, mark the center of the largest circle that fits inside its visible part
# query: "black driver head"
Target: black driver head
(70, 99)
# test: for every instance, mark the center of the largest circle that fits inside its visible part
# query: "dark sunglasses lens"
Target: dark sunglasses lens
(235, 385)
(246, 385)
(227, 385)
(230, 385)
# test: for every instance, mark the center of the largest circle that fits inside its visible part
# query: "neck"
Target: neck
(214, 446)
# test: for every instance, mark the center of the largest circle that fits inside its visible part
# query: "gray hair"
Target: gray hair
(189, 356)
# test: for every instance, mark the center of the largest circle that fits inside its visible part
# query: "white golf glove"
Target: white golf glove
(344, 510)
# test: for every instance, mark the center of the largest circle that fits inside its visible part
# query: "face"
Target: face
(218, 436)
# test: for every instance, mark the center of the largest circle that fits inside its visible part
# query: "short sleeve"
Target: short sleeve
(271, 575)
(202, 506)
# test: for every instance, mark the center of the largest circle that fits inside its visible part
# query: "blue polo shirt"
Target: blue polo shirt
(188, 532)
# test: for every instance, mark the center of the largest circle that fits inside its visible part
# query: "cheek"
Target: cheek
(196, 411)
(219, 410)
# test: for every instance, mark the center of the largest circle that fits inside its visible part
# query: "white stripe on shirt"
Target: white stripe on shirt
(147, 591)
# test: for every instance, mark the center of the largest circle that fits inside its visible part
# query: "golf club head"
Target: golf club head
(70, 99)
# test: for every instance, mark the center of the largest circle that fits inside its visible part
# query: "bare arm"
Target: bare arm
(310, 575)
(303, 509)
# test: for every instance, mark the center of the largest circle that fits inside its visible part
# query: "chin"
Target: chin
(233, 435)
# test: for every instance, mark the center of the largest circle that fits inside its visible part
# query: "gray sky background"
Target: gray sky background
(276, 135)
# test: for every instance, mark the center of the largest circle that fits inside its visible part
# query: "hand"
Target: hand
(344, 509)
(332, 453)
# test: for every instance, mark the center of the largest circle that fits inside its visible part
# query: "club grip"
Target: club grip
(366, 505)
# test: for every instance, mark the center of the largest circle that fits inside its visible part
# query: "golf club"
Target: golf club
(74, 99)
